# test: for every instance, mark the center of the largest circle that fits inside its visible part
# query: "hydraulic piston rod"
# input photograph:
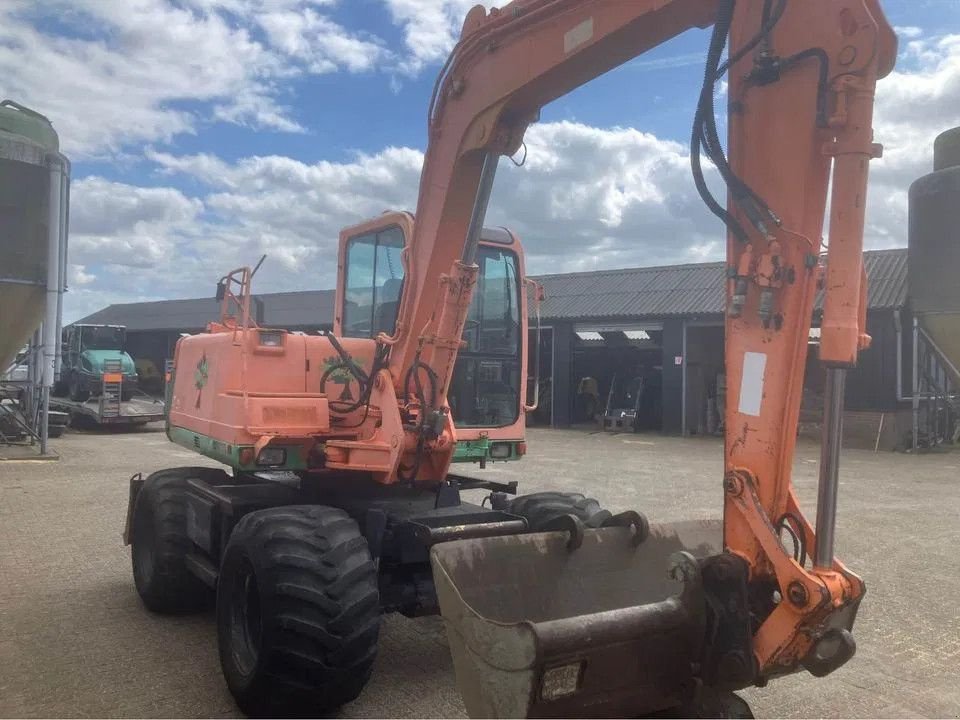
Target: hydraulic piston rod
(487, 175)
(831, 441)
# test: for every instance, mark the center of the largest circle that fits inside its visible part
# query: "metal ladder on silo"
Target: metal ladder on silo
(937, 398)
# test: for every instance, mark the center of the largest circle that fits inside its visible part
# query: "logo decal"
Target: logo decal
(200, 376)
(337, 372)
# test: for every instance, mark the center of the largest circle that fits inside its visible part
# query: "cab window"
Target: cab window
(373, 283)
(493, 323)
(102, 338)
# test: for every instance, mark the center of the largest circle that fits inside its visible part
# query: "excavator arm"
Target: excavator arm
(800, 77)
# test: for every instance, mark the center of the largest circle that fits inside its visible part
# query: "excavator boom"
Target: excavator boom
(801, 78)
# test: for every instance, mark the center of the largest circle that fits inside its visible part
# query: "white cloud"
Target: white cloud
(103, 207)
(668, 63)
(908, 32)
(135, 71)
(78, 275)
(590, 197)
(586, 198)
(914, 104)
(119, 73)
(431, 28)
(321, 44)
(129, 227)
(252, 109)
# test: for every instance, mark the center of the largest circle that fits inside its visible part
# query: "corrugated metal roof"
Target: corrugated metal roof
(886, 279)
(685, 290)
(311, 308)
(632, 293)
(635, 292)
(887, 275)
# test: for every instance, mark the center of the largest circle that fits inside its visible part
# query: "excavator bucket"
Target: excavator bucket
(583, 624)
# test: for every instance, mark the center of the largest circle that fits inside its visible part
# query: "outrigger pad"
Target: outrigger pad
(608, 629)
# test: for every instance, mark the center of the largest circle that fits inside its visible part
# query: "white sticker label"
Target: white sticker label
(578, 36)
(751, 383)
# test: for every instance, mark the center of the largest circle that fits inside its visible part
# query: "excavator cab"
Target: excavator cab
(487, 392)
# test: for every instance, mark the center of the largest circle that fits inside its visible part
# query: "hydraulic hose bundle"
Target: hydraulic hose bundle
(768, 69)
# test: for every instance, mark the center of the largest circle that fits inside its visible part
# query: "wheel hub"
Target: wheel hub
(245, 619)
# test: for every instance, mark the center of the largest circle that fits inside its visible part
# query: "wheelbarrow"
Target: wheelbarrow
(576, 623)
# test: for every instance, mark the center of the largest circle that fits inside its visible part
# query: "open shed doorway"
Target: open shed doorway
(618, 377)
(705, 385)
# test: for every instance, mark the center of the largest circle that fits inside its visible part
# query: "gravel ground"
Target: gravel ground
(75, 641)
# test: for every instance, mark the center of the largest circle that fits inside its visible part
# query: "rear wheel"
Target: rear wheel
(159, 542)
(298, 611)
(539, 509)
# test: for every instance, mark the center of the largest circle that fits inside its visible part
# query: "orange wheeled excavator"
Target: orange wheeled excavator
(343, 506)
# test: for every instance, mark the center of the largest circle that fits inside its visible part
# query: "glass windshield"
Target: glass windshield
(493, 323)
(101, 338)
(374, 280)
(485, 391)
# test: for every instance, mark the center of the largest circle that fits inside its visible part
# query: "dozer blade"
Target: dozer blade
(610, 628)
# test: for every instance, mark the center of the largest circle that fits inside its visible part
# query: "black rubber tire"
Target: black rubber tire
(298, 612)
(159, 542)
(538, 509)
(76, 394)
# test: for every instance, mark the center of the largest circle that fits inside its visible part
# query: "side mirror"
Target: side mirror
(221, 290)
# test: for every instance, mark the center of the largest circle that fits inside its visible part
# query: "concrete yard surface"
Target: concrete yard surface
(75, 640)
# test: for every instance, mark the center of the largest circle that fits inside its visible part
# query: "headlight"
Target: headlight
(271, 457)
(271, 338)
(500, 451)
(85, 364)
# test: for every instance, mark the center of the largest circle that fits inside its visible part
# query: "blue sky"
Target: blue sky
(204, 132)
(346, 113)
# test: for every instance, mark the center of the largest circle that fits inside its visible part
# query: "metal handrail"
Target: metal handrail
(941, 355)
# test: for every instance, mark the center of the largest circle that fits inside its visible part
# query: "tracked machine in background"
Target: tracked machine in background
(553, 606)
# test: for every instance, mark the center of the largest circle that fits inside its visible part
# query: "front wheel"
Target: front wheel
(298, 611)
(77, 394)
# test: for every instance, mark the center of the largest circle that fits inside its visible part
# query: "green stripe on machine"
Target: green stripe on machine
(472, 451)
(485, 450)
(230, 454)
